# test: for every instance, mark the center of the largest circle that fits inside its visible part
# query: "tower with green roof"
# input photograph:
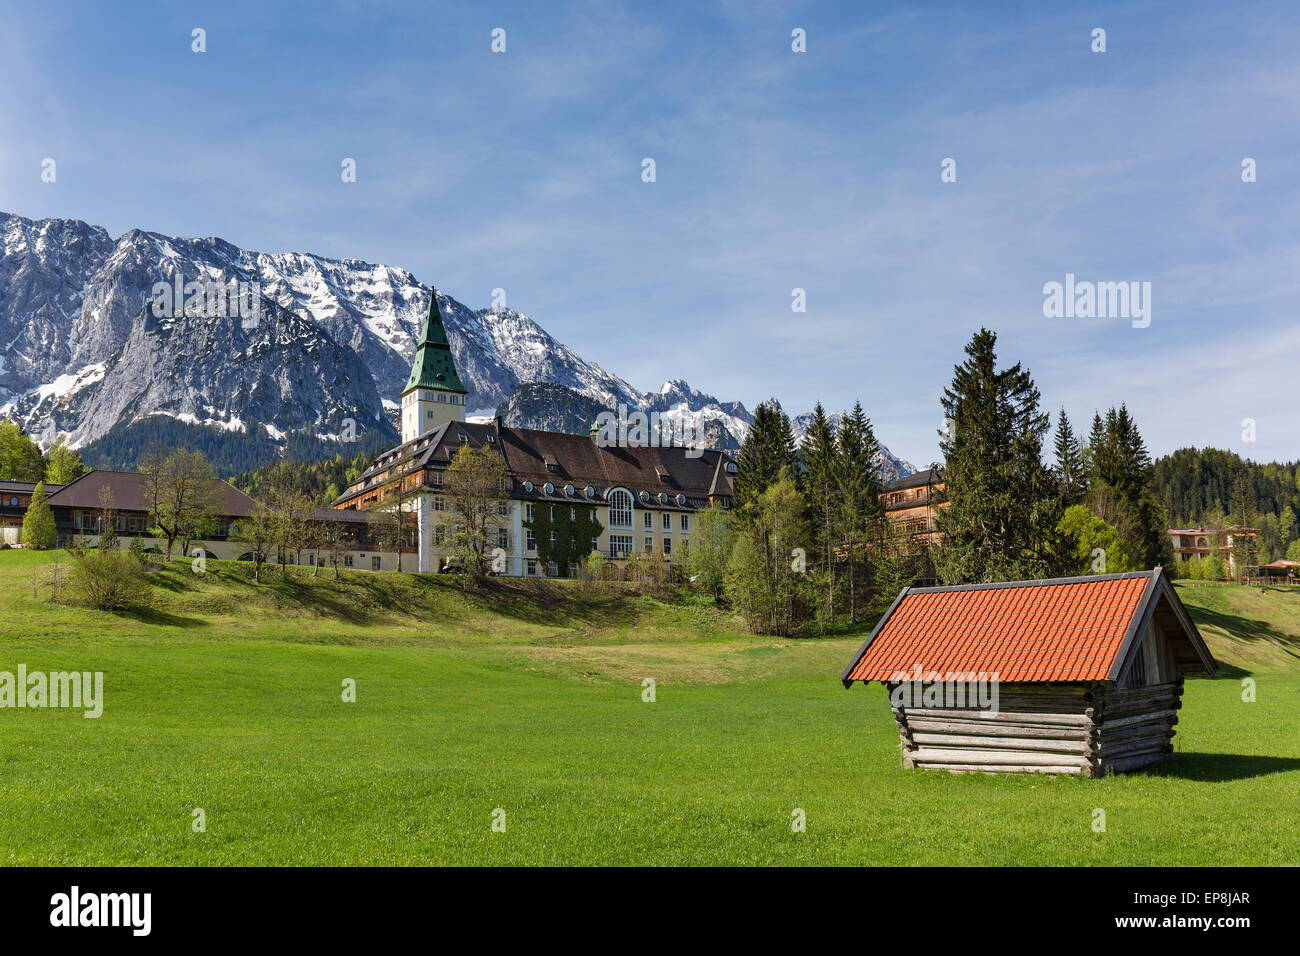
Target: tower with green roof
(433, 394)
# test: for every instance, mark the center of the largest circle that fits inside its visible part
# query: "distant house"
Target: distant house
(1238, 546)
(1085, 675)
(15, 496)
(78, 510)
(912, 504)
(1283, 571)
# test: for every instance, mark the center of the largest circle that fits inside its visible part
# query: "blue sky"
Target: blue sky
(775, 170)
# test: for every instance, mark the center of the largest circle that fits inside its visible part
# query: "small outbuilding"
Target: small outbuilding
(1070, 675)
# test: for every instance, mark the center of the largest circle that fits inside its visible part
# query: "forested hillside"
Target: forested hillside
(1212, 487)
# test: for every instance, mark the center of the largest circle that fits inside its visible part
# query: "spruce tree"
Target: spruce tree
(819, 456)
(1001, 523)
(858, 496)
(1071, 469)
(1121, 487)
(767, 449)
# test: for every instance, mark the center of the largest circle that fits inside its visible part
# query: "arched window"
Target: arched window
(620, 509)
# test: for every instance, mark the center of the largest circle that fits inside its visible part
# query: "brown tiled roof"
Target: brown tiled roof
(577, 460)
(1069, 629)
(26, 487)
(131, 493)
(926, 476)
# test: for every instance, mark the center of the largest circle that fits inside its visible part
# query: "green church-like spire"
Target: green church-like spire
(433, 366)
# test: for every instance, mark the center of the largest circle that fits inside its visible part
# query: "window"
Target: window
(686, 522)
(731, 467)
(620, 545)
(528, 512)
(439, 504)
(649, 544)
(668, 545)
(595, 544)
(668, 521)
(374, 563)
(532, 568)
(429, 414)
(620, 511)
(552, 540)
(503, 508)
(649, 521)
(530, 540)
(503, 539)
(13, 502)
(347, 560)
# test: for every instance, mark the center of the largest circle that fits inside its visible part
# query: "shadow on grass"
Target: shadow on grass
(157, 616)
(1245, 629)
(553, 605)
(1218, 768)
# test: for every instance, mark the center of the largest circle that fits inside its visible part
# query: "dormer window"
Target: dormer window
(731, 467)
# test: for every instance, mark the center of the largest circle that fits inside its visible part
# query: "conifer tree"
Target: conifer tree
(768, 448)
(858, 496)
(820, 457)
(1071, 469)
(1121, 487)
(1001, 523)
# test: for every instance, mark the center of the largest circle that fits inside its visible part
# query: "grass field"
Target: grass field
(227, 696)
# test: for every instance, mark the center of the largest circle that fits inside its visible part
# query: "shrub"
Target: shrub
(107, 580)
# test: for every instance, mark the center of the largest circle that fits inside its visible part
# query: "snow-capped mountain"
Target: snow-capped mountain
(83, 354)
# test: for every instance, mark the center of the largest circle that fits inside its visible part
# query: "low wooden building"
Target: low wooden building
(1071, 675)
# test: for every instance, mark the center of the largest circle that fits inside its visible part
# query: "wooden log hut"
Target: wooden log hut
(1070, 675)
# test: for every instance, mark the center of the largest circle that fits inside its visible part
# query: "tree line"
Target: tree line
(808, 548)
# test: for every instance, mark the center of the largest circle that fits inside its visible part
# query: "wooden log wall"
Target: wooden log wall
(1088, 729)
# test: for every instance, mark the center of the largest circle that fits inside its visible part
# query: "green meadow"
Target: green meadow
(525, 704)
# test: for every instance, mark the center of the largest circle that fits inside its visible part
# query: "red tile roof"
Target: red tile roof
(1063, 630)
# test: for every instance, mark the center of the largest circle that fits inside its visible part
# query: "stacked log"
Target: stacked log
(1135, 726)
(1044, 728)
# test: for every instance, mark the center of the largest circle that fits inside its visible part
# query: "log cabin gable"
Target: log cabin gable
(1162, 644)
